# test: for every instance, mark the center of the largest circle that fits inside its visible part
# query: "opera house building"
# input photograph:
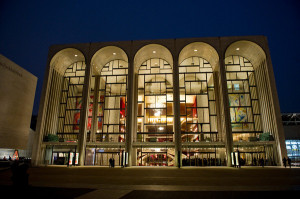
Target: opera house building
(171, 102)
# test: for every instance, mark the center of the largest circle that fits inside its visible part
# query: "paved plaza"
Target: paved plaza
(154, 182)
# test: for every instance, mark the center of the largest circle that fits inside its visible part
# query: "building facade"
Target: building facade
(170, 102)
(17, 90)
(291, 126)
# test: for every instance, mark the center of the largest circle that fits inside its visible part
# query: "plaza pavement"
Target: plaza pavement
(153, 182)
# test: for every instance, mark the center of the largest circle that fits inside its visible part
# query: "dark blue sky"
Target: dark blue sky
(28, 28)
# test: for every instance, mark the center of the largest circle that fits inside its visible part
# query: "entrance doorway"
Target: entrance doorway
(252, 155)
(155, 157)
(251, 158)
(60, 158)
(201, 159)
(212, 156)
(102, 158)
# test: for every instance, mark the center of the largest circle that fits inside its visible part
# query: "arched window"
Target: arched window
(110, 92)
(198, 113)
(155, 101)
(243, 98)
(71, 102)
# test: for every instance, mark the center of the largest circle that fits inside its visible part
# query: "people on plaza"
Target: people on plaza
(289, 162)
(110, 163)
(113, 162)
(262, 162)
(284, 162)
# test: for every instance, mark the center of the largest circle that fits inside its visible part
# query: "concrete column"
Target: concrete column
(95, 110)
(218, 107)
(176, 105)
(130, 111)
(84, 114)
(37, 152)
(226, 124)
(134, 121)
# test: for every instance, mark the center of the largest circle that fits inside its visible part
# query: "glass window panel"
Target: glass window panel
(195, 95)
(169, 108)
(232, 68)
(253, 93)
(244, 105)
(249, 115)
(213, 123)
(182, 109)
(202, 76)
(242, 75)
(211, 94)
(212, 107)
(205, 128)
(202, 101)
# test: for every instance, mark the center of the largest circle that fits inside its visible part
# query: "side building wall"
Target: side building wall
(17, 88)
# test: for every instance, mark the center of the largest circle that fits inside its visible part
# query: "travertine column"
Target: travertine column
(37, 152)
(95, 110)
(130, 106)
(176, 101)
(84, 114)
(225, 113)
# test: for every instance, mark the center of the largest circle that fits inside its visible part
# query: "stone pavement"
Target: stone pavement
(163, 182)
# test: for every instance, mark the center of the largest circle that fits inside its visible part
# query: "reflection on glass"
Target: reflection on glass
(243, 100)
(71, 102)
(155, 102)
(111, 101)
(197, 101)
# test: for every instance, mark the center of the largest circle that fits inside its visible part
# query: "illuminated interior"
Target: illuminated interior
(71, 102)
(155, 102)
(211, 156)
(250, 156)
(243, 99)
(155, 157)
(124, 99)
(109, 88)
(198, 114)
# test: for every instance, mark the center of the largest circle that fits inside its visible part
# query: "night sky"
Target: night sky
(28, 28)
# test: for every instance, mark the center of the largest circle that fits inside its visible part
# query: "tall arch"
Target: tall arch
(49, 128)
(107, 118)
(199, 108)
(248, 80)
(153, 66)
(67, 73)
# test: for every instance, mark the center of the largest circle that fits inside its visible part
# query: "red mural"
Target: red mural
(90, 113)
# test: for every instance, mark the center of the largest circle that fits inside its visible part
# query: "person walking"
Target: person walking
(254, 161)
(284, 162)
(110, 162)
(113, 163)
(289, 162)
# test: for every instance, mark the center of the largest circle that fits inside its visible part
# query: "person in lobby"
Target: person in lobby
(110, 163)
(289, 162)
(284, 162)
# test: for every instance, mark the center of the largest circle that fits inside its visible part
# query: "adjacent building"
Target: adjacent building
(169, 102)
(17, 90)
(291, 126)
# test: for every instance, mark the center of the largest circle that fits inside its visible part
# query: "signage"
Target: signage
(76, 158)
(232, 158)
(16, 155)
(237, 158)
(71, 158)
